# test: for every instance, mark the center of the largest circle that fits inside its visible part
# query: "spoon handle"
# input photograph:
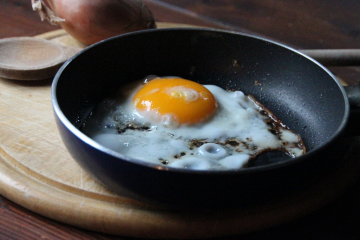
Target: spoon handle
(335, 57)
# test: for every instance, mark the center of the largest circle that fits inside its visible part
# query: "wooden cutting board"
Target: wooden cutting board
(37, 172)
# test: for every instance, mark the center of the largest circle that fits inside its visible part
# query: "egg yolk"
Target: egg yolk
(185, 101)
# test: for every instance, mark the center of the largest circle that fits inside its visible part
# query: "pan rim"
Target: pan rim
(87, 140)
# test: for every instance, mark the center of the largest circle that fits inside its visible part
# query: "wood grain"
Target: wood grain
(304, 24)
(28, 58)
(301, 24)
(17, 19)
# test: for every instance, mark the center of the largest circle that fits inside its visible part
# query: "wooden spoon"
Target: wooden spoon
(28, 58)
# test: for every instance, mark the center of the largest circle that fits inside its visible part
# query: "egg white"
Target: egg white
(234, 134)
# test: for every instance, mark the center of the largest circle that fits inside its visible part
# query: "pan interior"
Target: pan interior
(297, 90)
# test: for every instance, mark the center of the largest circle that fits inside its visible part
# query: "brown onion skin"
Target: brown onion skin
(91, 21)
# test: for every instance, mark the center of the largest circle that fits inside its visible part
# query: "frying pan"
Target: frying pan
(296, 88)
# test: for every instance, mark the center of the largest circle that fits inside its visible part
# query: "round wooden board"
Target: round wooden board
(37, 172)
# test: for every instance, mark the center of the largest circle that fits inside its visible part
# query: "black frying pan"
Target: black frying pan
(301, 92)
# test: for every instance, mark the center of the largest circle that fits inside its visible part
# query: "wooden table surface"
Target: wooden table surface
(300, 24)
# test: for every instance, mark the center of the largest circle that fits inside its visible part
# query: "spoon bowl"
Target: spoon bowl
(28, 58)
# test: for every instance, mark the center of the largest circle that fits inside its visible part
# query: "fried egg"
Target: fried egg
(174, 122)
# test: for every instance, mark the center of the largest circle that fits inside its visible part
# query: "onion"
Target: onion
(90, 21)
